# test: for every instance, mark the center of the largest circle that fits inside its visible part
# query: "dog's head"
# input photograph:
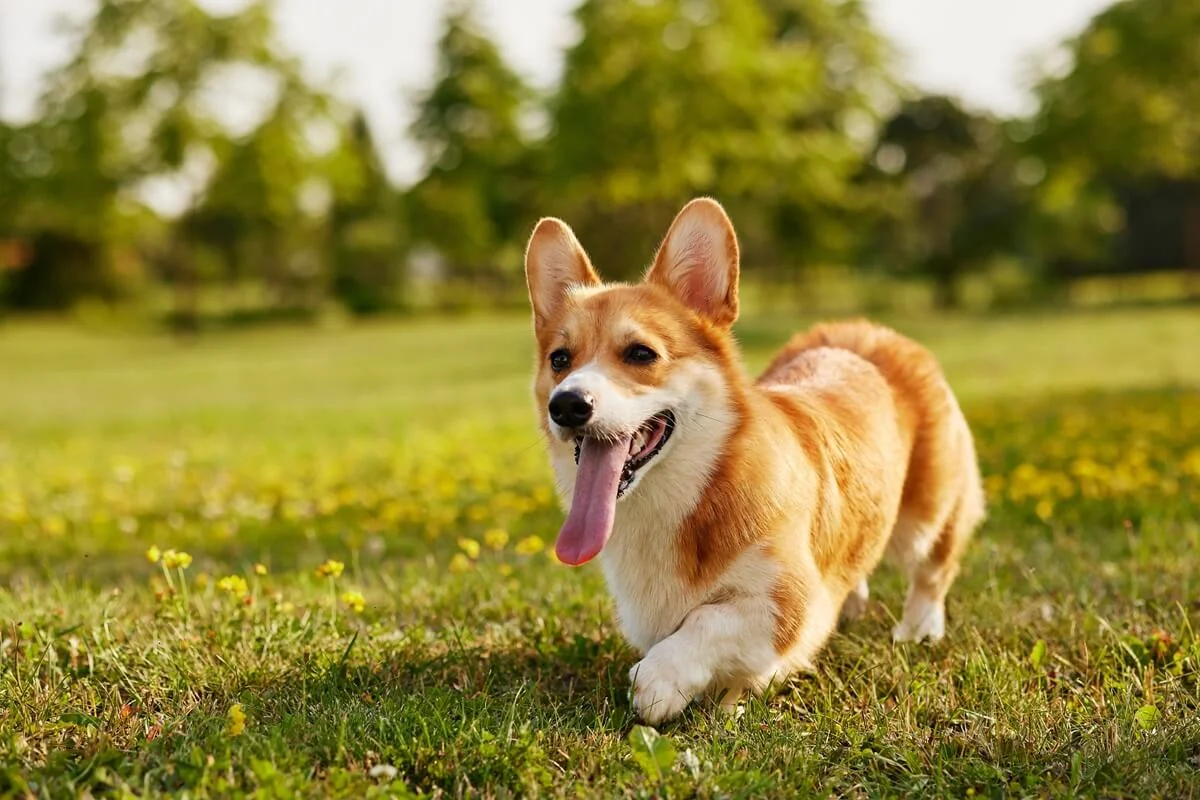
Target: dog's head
(627, 373)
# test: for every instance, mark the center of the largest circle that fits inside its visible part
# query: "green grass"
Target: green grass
(1072, 664)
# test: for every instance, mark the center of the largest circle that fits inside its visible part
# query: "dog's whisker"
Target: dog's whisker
(523, 450)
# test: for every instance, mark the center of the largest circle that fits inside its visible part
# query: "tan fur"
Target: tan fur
(775, 499)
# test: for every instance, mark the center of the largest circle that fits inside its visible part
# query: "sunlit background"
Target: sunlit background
(251, 157)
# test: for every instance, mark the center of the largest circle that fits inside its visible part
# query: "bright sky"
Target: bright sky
(382, 51)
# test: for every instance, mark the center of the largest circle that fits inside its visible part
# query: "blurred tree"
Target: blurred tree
(124, 108)
(364, 227)
(62, 204)
(856, 92)
(956, 200)
(11, 190)
(1135, 75)
(265, 212)
(143, 108)
(767, 106)
(473, 203)
(1119, 121)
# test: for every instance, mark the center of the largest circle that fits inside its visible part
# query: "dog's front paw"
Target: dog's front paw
(660, 691)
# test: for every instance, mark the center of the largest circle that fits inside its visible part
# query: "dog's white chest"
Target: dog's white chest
(651, 599)
(641, 559)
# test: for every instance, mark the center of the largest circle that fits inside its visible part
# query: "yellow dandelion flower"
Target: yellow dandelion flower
(176, 559)
(459, 563)
(260, 569)
(1044, 509)
(237, 720)
(153, 554)
(331, 569)
(470, 547)
(54, 525)
(354, 600)
(530, 546)
(234, 584)
(1025, 472)
(496, 538)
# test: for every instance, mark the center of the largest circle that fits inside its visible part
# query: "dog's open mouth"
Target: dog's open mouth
(645, 445)
(607, 468)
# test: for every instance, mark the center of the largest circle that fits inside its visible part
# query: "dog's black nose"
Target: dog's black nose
(571, 409)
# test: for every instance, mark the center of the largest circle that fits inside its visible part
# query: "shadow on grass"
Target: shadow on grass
(521, 717)
(514, 706)
(447, 713)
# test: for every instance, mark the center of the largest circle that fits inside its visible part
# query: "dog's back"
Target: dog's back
(942, 500)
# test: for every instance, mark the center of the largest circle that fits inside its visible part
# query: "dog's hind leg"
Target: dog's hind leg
(932, 560)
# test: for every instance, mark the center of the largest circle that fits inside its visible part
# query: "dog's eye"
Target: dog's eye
(560, 359)
(640, 354)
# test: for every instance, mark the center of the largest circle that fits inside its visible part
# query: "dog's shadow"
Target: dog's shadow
(439, 708)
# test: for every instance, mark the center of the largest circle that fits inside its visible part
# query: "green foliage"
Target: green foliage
(128, 106)
(474, 203)
(757, 105)
(1148, 717)
(1134, 75)
(365, 228)
(1122, 114)
(267, 208)
(138, 107)
(954, 197)
(652, 751)
(1038, 655)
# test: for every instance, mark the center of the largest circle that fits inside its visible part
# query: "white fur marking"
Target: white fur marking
(924, 618)
(715, 642)
(651, 597)
(617, 412)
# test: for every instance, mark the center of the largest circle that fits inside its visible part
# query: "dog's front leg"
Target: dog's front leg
(718, 640)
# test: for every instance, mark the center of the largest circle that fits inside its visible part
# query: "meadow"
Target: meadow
(301, 563)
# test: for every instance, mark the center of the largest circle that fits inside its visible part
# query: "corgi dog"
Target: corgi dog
(737, 520)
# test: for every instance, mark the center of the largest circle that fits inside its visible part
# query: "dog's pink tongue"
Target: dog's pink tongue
(594, 507)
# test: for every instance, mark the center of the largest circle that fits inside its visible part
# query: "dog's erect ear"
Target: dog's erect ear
(554, 262)
(698, 261)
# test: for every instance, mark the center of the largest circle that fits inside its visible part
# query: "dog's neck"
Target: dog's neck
(707, 505)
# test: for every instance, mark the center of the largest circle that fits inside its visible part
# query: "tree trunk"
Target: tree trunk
(945, 284)
(185, 320)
